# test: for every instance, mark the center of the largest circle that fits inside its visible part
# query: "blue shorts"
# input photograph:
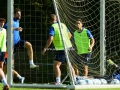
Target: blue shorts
(83, 58)
(2, 59)
(60, 56)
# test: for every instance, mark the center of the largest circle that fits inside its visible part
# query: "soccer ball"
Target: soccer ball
(115, 81)
(96, 81)
(89, 82)
(81, 82)
(103, 81)
(80, 78)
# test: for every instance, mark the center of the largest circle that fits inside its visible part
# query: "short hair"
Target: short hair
(16, 10)
(79, 20)
(52, 17)
(2, 19)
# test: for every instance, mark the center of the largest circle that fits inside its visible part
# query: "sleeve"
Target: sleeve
(89, 34)
(51, 31)
(5, 26)
(3, 44)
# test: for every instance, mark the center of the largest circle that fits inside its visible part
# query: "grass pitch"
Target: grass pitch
(13, 88)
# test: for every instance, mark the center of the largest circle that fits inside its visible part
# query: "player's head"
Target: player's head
(17, 13)
(79, 23)
(52, 18)
(2, 22)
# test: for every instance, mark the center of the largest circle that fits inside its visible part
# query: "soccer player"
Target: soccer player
(2, 50)
(84, 42)
(55, 37)
(21, 79)
(17, 40)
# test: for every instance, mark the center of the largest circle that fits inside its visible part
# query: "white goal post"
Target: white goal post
(96, 16)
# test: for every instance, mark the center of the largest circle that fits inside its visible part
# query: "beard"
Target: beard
(18, 18)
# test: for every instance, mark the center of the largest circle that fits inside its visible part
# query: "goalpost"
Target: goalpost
(101, 17)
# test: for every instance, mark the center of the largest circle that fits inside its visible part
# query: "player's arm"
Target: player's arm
(92, 41)
(50, 39)
(110, 62)
(69, 34)
(19, 29)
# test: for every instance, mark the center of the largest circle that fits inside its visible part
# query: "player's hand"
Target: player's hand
(20, 29)
(90, 49)
(43, 52)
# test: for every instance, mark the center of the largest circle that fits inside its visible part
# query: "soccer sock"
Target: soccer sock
(19, 76)
(58, 80)
(31, 62)
(74, 80)
(4, 81)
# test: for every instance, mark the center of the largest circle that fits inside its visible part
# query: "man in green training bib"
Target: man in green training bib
(2, 50)
(55, 37)
(84, 42)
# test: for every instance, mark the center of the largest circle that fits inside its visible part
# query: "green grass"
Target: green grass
(58, 89)
(13, 88)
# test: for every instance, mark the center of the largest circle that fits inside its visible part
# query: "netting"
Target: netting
(35, 29)
(89, 12)
(112, 33)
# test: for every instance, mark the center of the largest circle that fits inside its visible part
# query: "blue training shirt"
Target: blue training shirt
(16, 35)
(89, 34)
(51, 31)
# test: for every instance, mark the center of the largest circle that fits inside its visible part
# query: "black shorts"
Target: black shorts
(83, 58)
(60, 56)
(2, 59)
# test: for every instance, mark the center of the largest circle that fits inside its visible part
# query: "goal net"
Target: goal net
(35, 30)
(89, 12)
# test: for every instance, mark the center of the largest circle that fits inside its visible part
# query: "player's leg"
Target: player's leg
(56, 67)
(86, 70)
(27, 45)
(17, 74)
(74, 75)
(77, 60)
(58, 60)
(73, 72)
(86, 63)
(5, 64)
(2, 76)
(3, 79)
(5, 67)
(76, 69)
(2, 59)
(1, 64)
